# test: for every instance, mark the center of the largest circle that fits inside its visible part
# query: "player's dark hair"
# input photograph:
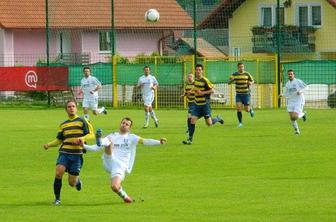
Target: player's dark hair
(70, 101)
(128, 119)
(86, 67)
(146, 67)
(240, 63)
(199, 65)
(290, 70)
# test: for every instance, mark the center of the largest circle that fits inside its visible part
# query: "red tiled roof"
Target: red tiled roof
(219, 17)
(129, 14)
(332, 2)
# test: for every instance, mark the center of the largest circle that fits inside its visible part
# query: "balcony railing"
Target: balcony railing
(292, 39)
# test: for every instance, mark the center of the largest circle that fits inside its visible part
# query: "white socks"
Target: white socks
(153, 115)
(146, 117)
(295, 125)
(122, 193)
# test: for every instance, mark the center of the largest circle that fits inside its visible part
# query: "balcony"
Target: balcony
(292, 39)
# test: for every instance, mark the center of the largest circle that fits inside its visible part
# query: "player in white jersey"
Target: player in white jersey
(148, 84)
(295, 99)
(120, 149)
(90, 86)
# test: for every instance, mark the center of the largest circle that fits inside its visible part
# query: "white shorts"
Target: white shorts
(114, 167)
(295, 107)
(148, 100)
(90, 103)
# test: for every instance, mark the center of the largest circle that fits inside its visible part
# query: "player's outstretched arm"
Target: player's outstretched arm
(152, 142)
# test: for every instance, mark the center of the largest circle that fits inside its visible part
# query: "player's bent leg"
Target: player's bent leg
(249, 109)
(208, 121)
(116, 187)
(73, 179)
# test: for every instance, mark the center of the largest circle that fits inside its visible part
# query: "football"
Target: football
(152, 15)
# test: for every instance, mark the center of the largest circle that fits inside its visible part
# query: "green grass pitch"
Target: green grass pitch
(261, 172)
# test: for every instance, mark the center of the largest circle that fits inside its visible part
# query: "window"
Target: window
(316, 15)
(309, 15)
(303, 16)
(268, 15)
(235, 51)
(104, 41)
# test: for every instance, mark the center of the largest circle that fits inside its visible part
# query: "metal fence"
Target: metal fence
(113, 37)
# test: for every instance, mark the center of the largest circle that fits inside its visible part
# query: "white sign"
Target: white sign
(31, 79)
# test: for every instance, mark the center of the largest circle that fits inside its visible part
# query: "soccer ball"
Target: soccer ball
(152, 15)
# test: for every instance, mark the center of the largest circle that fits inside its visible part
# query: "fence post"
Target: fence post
(259, 95)
(156, 76)
(47, 42)
(184, 73)
(115, 83)
(276, 88)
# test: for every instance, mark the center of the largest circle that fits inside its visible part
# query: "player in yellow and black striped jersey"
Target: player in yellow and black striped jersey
(71, 133)
(202, 89)
(190, 95)
(243, 80)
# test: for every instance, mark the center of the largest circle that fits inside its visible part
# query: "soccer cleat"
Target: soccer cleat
(304, 117)
(252, 113)
(297, 133)
(99, 134)
(221, 121)
(187, 142)
(128, 200)
(145, 125)
(79, 185)
(57, 202)
(156, 122)
(240, 125)
(104, 110)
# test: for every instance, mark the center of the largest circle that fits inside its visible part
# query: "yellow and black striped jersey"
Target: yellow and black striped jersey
(189, 92)
(202, 84)
(242, 82)
(69, 131)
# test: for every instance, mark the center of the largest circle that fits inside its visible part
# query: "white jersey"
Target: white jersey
(123, 148)
(89, 84)
(291, 90)
(146, 83)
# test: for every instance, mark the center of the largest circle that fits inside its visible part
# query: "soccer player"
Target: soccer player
(148, 84)
(71, 132)
(295, 99)
(202, 89)
(90, 86)
(243, 81)
(119, 154)
(190, 95)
